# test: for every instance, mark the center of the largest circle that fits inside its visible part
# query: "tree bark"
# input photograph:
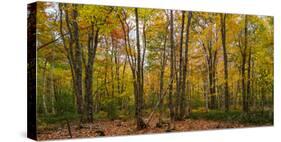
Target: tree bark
(74, 55)
(171, 106)
(92, 47)
(211, 56)
(52, 83)
(111, 67)
(223, 40)
(180, 96)
(139, 90)
(162, 71)
(117, 66)
(248, 77)
(183, 111)
(78, 61)
(44, 92)
(244, 93)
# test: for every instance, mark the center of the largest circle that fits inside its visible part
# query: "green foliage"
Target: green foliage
(65, 102)
(197, 102)
(111, 108)
(39, 104)
(64, 106)
(55, 118)
(100, 115)
(254, 118)
(152, 99)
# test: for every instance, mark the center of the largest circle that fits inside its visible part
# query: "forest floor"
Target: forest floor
(128, 127)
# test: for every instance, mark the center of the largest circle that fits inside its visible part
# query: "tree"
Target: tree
(185, 71)
(208, 42)
(171, 106)
(249, 71)
(96, 22)
(135, 64)
(223, 40)
(139, 70)
(74, 53)
(92, 48)
(243, 69)
(180, 95)
(162, 71)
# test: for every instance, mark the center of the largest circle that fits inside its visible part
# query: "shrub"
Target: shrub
(111, 108)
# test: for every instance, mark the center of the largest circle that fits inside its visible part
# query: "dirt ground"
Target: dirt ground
(119, 127)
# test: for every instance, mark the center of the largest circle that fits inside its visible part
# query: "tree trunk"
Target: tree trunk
(211, 56)
(162, 71)
(223, 39)
(244, 93)
(111, 67)
(78, 61)
(248, 77)
(180, 96)
(139, 90)
(171, 106)
(135, 65)
(92, 46)
(117, 66)
(206, 97)
(44, 88)
(123, 77)
(183, 111)
(52, 84)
